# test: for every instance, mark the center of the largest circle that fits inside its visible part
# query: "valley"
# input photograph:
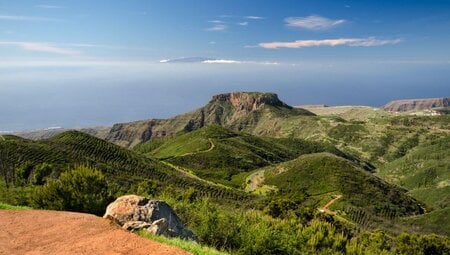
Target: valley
(248, 157)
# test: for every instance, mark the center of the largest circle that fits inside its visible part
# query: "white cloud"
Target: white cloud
(254, 17)
(203, 60)
(218, 27)
(245, 23)
(42, 47)
(185, 60)
(313, 22)
(230, 61)
(25, 18)
(354, 42)
(221, 61)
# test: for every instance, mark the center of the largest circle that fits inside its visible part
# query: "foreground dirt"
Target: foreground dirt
(36, 232)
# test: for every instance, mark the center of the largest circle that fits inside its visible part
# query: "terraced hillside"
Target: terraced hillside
(25, 162)
(319, 176)
(224, 156)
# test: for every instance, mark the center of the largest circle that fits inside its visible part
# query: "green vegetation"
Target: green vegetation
(308, 189)
(425, 167)
(220, 155)
(437, 221)
(192, 247)
(377, 140)
(351, 113)
(4, 206)
(240, 231)
(23, 160)
(314, 176)
(81, 189)
(425, 172)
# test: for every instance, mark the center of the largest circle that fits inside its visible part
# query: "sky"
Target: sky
(76, 63)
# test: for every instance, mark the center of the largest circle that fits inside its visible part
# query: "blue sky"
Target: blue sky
(78, 63)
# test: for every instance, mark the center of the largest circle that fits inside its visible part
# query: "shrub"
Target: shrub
(82, 189)
(41, 172)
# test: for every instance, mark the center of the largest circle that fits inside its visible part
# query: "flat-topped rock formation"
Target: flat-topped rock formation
(237, 110)
(416, 104)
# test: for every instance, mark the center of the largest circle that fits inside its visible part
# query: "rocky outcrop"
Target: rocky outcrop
(416, 104)
(157, 217)
(249, 101)
(237, 111)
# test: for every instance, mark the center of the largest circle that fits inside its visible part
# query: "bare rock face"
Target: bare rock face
(157, 217)
(249, 101)
(416, 104)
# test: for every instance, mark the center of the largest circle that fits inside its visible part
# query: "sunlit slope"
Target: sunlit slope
(316, 175)
(222, 155)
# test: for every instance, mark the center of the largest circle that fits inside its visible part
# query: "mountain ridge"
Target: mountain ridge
(404, 105)
(235, 110)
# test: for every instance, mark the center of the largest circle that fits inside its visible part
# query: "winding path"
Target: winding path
(198, 152)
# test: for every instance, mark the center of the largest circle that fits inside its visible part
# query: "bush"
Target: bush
(82, 189)
(41, 173)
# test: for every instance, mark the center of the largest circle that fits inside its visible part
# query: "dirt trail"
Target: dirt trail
(256, 180)
(325, 207)
(208, 150)
(36, 232)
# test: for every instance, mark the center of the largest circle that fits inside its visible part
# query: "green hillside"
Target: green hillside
(222, 155)
(25, 162)
(368, 133)
(425, 172)
(351, 113)
(305, 196)
(317, 176)
(377, 140)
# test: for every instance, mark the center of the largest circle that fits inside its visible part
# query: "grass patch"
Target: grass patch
(190, 246)
(4, 206)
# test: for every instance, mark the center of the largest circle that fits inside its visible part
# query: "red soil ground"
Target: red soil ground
(34, 232)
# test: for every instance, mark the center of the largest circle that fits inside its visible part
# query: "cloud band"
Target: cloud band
(353, 42)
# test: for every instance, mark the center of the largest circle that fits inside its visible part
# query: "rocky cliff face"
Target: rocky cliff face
(249, 101)
(237, 110)
(416, 104)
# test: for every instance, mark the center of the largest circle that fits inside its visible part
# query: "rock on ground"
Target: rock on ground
(134, 212)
